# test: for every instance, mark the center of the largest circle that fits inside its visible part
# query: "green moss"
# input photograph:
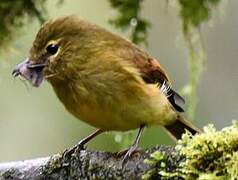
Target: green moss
(210, 155)
(193, 13)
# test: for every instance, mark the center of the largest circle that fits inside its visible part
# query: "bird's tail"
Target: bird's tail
(179, 126)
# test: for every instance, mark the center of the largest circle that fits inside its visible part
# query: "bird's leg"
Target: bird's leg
(80, 144)
(134, 146)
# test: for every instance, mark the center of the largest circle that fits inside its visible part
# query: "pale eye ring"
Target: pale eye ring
(52, 49)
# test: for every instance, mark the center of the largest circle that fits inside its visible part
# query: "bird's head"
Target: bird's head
(57, 43)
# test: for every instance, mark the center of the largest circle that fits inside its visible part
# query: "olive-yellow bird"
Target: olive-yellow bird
(103, 79)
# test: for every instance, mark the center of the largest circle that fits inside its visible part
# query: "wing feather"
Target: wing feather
(152, 73)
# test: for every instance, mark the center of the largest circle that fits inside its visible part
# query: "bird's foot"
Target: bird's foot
(80, 145)
(123, 152)
(76, 148)
(127, 153)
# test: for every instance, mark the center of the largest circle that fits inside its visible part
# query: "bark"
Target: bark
(82, 164)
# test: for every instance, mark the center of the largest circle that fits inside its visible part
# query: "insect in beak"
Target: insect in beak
(32, 72)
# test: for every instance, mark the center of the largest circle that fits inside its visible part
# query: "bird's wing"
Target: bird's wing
(152, 73)
(150, 69)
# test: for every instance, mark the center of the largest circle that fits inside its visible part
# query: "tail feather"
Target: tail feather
(179, 126)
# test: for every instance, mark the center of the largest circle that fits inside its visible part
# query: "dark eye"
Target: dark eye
(52, 49)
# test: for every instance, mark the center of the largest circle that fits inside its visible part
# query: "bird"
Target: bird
(104, 80)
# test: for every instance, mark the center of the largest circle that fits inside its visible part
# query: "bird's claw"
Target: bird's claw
(128, 153)
(121, 153)
(76, 148)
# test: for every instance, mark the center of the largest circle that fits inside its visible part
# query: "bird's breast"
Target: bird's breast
(120, 108)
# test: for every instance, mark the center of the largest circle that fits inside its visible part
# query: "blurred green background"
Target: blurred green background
(33, 123)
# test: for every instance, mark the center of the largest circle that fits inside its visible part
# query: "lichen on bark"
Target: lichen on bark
(209, 155)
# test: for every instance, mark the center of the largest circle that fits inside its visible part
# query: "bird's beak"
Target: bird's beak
(30, 71)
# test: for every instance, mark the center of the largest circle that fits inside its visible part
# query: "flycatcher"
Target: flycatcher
(103, 79)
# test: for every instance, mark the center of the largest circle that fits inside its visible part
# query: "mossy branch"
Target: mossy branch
(84, 164)
(209, 155)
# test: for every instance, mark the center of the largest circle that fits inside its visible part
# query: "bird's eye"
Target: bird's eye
(52, 49)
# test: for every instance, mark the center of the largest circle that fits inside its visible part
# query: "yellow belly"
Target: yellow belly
(121, 104)
(125, 114)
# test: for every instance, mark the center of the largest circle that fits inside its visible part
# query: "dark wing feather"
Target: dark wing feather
(152, 72)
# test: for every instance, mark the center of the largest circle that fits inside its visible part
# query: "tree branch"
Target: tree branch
(83, 164)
